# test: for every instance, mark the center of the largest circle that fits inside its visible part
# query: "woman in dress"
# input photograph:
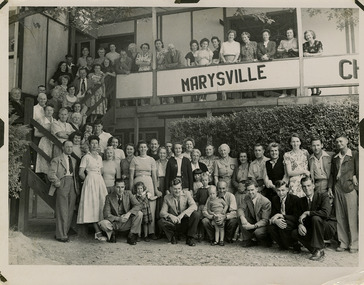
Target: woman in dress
(189, 145)
(240, 174)
(216, 53)
(94, 190)
(42, 165)
(76, 138)
(195, 161)
(61, 70)
(101, 54)
(59, 94)
(98, 79)
(224, 167)
(312, 47)
(112, 55)
(296, 163)
(70, 98)
(160, 54)
(77, 108)
(209, 161)
(119, 153)
(144, 59)
(81, 62)
(110, 81)
(230, 50)
(248, 48)
(125, 165)
(266, 50)
(161, 166)
(143, 168)
(111, 169)
(191, 56)
(204, 55)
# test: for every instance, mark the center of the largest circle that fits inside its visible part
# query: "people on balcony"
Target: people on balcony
(101, 54)
(81, 62)
(266, 49)
(204, 55)
(312, 47)
(132, 54)
(144, 59)
(61, 71)
(160, 54)
(191, 56)
(216, 53)
(112, 55)
(124, 64)
(59, 94)
(173, 57)
(230, 50)
(97, 78)
(248, 48)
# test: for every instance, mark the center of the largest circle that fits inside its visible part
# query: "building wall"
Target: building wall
(144, 32)
(116, 29)
(206, 23)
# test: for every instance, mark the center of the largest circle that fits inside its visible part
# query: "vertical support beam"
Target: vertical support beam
(46, 56)
(20, 51)
(155, 99)
(136, 129)
(24, 194)
(301, 91)
(347, 42)
(353, 47)
(191, 20)
(15, 62)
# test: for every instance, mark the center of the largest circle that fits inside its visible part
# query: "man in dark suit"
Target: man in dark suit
(179, 214)
(83, 85)
(316, 222)
(345, 174)
(121, 213)
(62, 175)
(254, 215)
(284, 216)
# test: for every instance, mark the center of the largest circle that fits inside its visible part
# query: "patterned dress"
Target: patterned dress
(249, 51)
(147, 214)
(144, 58)
(315, 48)
(99, 93)
(224, 169)
(297, 161)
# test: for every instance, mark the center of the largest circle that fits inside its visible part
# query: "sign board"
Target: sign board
(331, 70)
(231, 77)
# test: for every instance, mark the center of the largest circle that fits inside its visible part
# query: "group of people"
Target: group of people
(291, 199)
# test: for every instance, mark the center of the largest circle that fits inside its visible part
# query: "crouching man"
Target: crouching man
(316, 222)
(121, 213)
(179, 214)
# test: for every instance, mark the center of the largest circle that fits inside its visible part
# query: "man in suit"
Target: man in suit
(345, 175)
(83, 85)
(173, 57)
(179, 214)
(121, 213)
(284, 216)
(316, 222)
(320, 167)
(231, 221)
(254, 215)
(62, 175)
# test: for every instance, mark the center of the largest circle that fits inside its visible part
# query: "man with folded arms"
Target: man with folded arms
(316, 222)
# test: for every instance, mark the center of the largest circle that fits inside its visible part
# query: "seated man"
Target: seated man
(179, 214)
(284, 216)
(231, 221)
(316, 222)
(121, 213)
(254, 216)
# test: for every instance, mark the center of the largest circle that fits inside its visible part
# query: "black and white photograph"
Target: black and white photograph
(166, 142)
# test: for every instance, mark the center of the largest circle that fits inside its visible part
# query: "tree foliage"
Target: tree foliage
(243, 129)
(17, 147)
(342, 16)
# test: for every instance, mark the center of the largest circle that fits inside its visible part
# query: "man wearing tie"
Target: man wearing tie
(345, 174)
(284, 216)
(62, 175)
(121, 213)
(179, 214)
(254, 215)
(83, 85)
(316, 222)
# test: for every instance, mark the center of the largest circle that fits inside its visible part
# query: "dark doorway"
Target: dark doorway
(121, 42)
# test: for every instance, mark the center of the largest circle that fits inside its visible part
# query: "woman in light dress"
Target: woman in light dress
(230, 50)
(111, 168)
(225, 166)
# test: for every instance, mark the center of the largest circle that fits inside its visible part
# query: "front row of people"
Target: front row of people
(287, 220)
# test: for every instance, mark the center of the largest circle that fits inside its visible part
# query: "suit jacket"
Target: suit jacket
(270, 50)
(175, 61)
(90, 85)
(320, 206)
(130, 204)
(326, 161)
(58, 170)
(187, 205)
(291, 207)
(186, 173)
(260, 212)
(203, 166)
(123, 67)
(349, 168)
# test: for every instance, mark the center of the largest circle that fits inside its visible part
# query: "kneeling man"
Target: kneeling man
(316, 222)
(179, 214)
(254, 215)
(121, 213)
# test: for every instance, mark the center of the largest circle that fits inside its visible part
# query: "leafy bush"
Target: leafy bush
(17, 147)
(243, 129)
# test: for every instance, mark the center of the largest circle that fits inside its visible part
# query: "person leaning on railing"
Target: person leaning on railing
(174, 58)
(123, 64)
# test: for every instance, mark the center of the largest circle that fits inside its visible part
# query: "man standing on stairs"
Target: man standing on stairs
(63, 176)
(103, 136)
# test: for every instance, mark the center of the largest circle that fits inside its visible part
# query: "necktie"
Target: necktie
(70, 165)
(309, 203)
(178, 207)
(83, 86)
(283, 207)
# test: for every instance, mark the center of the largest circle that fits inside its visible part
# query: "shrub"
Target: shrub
(243, 129)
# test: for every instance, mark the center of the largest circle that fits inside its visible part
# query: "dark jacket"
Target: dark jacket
(130, 203)
(291, 207)
(186, 172)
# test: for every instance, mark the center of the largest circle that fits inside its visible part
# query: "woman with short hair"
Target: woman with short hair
(266, 49)
(144, 59)
(230, 50)
(191, 56)
(224, 167)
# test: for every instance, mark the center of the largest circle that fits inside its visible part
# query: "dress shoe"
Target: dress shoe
(317, 255)
(131, 239)
(296, 249)
(72, 232)
(229, 240)
(153, 236)
(146, 239)
(112, 237)
(63, 239)
(221, 243)
(340, 249)
(190, 241)
(353, 250)
(173, 240)
(248, 243)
